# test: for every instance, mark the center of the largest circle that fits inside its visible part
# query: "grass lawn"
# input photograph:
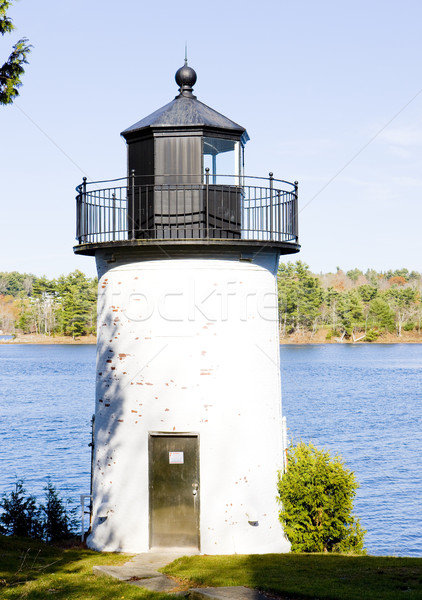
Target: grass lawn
(322, 576)
(31, 570)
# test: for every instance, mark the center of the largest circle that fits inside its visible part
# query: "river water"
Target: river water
(363, 402)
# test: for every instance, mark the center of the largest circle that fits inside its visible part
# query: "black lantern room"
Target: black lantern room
(186, 183)
(172, 154)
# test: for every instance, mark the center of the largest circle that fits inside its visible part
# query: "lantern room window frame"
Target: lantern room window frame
(225, 159)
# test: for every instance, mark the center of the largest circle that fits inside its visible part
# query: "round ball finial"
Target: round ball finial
(185, 79)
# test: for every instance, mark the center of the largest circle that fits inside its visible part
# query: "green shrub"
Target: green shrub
(332, 333)
(316, 494)
(371, 335)
(57, 521)
(20, 515)
(409, 326)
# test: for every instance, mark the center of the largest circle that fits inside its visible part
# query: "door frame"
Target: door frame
(174, 434)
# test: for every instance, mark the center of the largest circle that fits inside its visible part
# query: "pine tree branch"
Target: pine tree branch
(12, 70)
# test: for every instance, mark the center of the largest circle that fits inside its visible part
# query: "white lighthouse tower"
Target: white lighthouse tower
(188, 422)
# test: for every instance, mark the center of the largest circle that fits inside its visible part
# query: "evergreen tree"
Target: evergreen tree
(77, 298)
(16, 284)
(300, 296)
(42, 286)
(316, 494)
(331, 302)
(20, 515)
(57, 523)
(354, 274)
(372, 276)
(367, 292)
(381, 316)
(12, 70)
(350, 311)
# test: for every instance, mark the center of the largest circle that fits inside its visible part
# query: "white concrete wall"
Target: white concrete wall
(189, 345)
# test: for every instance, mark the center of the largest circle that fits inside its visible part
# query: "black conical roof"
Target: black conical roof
(186, 111)
(183, 112)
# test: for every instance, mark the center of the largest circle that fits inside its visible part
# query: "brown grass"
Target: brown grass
(306, 337)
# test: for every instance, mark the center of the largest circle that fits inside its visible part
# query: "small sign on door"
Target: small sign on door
(176, 458)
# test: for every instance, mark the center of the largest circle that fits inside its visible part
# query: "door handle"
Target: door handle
(195, 488)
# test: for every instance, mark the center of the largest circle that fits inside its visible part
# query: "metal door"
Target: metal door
(174, 490)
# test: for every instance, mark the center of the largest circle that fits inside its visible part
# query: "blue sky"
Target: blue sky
(330, 93)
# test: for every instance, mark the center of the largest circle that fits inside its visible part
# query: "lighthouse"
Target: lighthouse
(188, 421)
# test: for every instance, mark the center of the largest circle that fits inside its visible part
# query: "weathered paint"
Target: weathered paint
(189, 345)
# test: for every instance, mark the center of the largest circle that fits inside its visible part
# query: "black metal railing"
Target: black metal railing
(159, 208)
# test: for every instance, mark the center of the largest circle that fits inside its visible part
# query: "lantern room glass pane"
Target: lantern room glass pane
(224, 159)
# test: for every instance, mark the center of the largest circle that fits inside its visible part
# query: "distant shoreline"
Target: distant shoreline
(33, 338)
(320, 337)
(306, 338)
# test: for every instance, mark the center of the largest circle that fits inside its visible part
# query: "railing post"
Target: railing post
(85, 211)
(271, 204)
(78, 214)
(295, 208)
(279, 223)
(132, 183)
(113, 212)
(207, 183)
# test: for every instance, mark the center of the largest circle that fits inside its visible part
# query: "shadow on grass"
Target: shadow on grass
(36, 571)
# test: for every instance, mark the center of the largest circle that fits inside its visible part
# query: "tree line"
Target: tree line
(63, 306)
(348, 305)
